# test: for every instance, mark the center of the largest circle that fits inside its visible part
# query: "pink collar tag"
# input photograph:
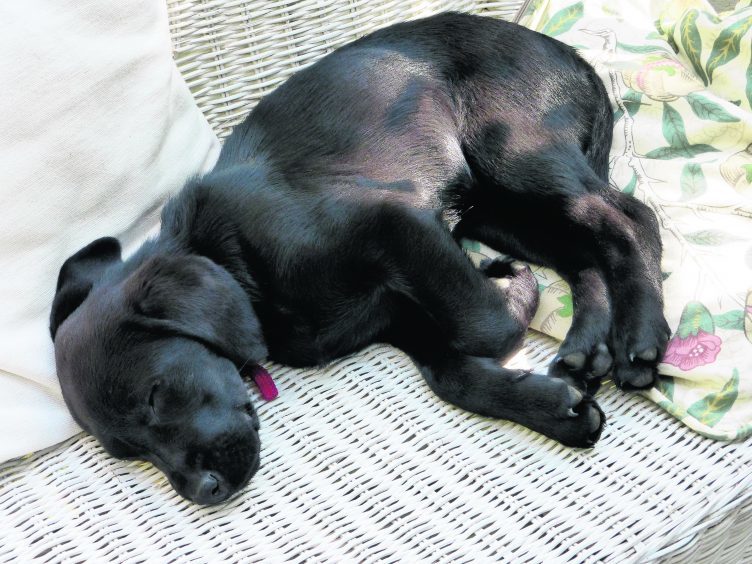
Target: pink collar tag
(264, 382)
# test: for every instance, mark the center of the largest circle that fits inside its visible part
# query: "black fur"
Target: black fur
(330, 222)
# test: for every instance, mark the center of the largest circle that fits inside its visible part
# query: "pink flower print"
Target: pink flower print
(693, 350)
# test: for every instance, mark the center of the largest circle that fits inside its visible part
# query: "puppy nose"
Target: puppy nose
(210, 488)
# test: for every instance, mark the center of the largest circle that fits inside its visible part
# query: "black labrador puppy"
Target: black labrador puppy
(331, 221)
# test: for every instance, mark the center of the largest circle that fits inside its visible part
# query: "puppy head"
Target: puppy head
(148, 360)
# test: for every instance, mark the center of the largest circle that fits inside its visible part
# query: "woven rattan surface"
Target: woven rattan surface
(360, 461)
(232, 52)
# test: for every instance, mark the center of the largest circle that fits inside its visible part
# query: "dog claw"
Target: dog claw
(571, 413)
(575, 396)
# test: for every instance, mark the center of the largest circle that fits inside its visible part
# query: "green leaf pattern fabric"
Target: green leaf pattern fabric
(680, 80)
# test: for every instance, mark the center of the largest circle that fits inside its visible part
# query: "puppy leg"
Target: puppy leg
(628, 250)
(584, 354)
(639, 333)
(457, 325)
(474, 315)
(480, 384)
(539, 402)
(558, 213)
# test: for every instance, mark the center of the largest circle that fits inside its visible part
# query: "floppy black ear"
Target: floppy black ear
(78, 275)
(194, 297)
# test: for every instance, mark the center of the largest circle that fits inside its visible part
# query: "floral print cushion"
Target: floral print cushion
(680, 81)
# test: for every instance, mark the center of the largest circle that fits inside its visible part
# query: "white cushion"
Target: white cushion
(96, 128)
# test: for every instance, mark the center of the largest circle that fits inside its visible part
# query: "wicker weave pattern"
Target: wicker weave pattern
(360, 461)
(232, 52)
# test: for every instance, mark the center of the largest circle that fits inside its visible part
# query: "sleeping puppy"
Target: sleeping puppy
(331, 221)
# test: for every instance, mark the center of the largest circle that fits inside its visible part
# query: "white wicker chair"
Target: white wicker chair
(361, 462)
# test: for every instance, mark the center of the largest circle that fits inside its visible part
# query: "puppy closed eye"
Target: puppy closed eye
(152, 400)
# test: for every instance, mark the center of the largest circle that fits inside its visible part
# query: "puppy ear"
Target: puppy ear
(78, 275)
(194, 297)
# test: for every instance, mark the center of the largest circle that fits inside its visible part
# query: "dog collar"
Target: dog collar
(264, 382)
